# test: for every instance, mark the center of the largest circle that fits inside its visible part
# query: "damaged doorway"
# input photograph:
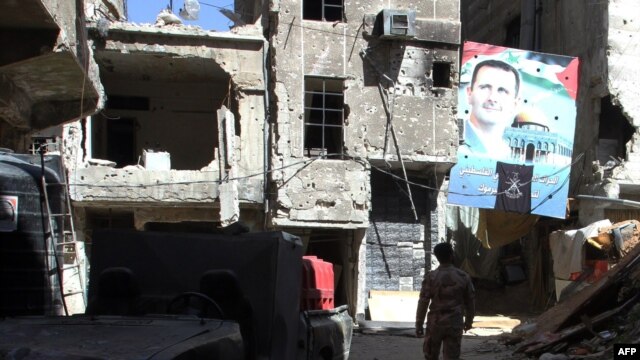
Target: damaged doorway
(121, 141)
(335, 246)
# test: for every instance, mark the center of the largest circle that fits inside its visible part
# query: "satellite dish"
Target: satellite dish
(191, 10)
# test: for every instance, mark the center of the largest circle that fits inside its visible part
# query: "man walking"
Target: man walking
(451, 294)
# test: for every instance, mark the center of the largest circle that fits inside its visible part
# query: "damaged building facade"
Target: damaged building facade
(181, 131)
(604, 170)
(363, 132)
(334, 121)
(48, 78)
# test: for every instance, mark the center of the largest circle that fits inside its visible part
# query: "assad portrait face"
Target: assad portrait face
(493, 98)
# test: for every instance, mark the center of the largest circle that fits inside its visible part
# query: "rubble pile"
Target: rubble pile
(589, 322)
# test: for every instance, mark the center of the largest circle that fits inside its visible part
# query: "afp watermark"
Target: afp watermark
(626, 351)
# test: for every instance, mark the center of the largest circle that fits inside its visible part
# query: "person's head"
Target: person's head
(444, 253)
(493, 95)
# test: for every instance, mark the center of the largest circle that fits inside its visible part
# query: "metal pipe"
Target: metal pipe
(266, 131)
(630, 203)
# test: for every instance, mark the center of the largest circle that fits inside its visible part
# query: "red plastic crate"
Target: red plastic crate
(317, 284)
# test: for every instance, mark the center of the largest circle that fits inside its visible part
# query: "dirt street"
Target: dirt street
(399, 343)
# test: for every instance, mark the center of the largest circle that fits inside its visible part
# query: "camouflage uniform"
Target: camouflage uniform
(451, 294)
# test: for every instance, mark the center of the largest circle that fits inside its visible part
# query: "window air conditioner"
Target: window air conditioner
(399, 23)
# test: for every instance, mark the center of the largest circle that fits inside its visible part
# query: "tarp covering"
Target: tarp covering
(492, 228)
(567, 248)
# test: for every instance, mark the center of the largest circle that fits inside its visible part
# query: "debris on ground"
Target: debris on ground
(588, 322)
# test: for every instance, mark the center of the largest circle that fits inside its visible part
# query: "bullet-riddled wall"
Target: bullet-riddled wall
(397, 98)
(392, 106)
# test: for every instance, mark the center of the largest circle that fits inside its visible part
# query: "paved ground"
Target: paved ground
(396, 341)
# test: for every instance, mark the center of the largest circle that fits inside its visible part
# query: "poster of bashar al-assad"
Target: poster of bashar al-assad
(518, 113)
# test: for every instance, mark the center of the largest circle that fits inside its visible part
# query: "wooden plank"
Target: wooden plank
(393, 305)
(551, 320)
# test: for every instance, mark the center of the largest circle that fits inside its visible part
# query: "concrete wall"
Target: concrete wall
(602, 35)
(622, 54)
(48, 77)
(488, 19)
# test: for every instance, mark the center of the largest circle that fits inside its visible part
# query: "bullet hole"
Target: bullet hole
(526, 101)
(467, 111)
(538, 70)
(556, 118)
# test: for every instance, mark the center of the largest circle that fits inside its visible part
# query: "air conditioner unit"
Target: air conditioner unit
(398, 23)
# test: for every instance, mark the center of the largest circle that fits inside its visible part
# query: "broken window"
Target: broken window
(44, 144)
(614, 132)
(441, 74)
(323, 117)
(323, 10)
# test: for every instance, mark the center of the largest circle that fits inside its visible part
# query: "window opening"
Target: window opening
(117, 102)
(322, 10)
(614, 131)
(441, 74)
(512, 38)
(121, 141)
(44, 144)
(323, 117)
